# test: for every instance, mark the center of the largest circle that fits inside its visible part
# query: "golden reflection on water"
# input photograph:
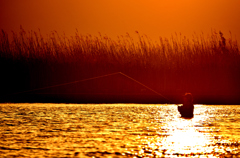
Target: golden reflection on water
(185, 138)
(117, 130)
(196, 137)
(182, 137)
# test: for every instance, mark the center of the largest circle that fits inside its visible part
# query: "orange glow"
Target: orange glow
(154, 18)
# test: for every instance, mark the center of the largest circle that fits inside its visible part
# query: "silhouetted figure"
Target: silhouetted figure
(187, 109)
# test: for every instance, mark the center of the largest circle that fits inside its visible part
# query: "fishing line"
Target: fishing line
(63, 84)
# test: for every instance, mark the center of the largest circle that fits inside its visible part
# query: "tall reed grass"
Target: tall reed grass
(203, 64)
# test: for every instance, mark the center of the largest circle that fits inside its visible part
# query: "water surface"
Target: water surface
(117, 130)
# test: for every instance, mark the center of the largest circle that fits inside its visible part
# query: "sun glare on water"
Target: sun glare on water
(182, 137)
(186, 139)
(113, 130)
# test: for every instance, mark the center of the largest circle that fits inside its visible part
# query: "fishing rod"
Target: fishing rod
(146, 87)
(92, 78)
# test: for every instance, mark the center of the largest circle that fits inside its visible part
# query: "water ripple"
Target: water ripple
(117, 130)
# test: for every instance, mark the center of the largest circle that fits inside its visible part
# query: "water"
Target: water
(117, 130)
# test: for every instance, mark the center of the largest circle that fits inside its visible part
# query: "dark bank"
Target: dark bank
(38, 69)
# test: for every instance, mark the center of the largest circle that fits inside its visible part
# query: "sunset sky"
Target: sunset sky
(116, 17)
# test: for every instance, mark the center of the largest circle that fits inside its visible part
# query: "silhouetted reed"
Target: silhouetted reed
(205, 63)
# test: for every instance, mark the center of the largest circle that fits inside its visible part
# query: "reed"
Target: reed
(204, 63)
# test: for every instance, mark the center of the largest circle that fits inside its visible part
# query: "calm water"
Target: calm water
(117, 130)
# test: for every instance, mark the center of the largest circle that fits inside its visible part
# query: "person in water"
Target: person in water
(188, 108)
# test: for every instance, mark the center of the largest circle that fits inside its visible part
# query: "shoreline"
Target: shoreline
(99, 69)
(114, 98)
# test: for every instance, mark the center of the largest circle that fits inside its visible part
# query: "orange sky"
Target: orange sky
(116, 17)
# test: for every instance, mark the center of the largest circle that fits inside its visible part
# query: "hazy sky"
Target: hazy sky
(116, 17)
